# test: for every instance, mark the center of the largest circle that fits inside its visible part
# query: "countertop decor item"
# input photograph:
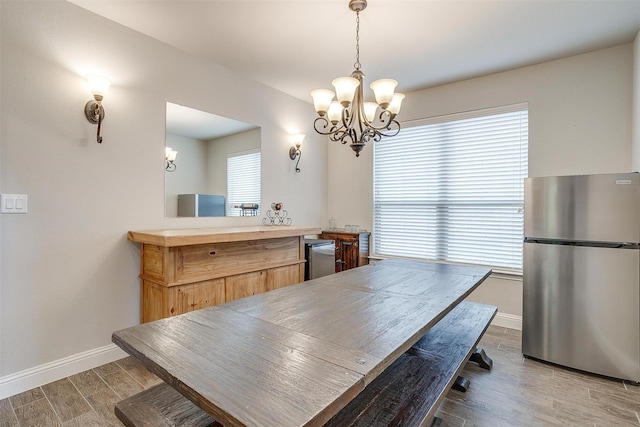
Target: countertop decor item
(277, 215)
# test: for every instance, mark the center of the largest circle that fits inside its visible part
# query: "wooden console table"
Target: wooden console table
(299, 355)
(188, 269)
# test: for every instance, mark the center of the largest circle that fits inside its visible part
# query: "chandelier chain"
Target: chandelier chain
(357, 64)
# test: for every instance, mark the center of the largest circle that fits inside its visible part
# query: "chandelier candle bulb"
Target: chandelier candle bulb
(335, 112)
(396, 103)
(350, 120)
(383, 91)
(370, 110)
(322, 100)
(345, 89)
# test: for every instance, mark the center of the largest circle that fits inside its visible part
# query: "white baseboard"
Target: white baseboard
(58, 369)
(506, 320)
(53, 371)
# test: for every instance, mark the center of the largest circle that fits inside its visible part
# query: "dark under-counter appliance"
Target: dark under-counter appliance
(320, 257)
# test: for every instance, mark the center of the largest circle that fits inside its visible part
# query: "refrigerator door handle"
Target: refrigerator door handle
(614, 245)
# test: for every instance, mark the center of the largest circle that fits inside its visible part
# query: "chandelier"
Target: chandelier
(350, 120)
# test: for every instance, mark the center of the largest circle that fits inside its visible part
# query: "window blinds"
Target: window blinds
(243, 180)
(451, 188)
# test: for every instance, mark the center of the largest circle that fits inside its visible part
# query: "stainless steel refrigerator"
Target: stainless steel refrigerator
(201, 205)
(581, 301)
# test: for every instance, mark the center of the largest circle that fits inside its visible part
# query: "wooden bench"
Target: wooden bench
(409, 391)
(406, 394)
(162, 406)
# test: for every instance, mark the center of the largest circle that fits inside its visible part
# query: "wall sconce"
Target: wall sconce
(294, 151)
(170, 156)
(94, 111)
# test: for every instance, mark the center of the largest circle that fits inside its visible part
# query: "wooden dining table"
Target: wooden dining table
(296, 356)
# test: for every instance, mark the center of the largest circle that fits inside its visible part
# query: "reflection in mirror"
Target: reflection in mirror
(217, 166)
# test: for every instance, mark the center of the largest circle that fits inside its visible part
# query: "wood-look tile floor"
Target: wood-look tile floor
(516, 392)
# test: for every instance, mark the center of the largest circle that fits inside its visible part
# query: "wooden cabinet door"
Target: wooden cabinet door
(183, 299)
(346, 253)
(349, 252)
(160, 301)
(283, 276)
(244, 285)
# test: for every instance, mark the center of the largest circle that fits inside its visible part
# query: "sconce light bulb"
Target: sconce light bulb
(98, 86)
(297, 139)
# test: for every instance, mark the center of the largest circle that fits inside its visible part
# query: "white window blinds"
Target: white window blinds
(451, 188)
(243, 181)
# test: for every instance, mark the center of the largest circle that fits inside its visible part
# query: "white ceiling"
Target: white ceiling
(299, 45)
(197, 124)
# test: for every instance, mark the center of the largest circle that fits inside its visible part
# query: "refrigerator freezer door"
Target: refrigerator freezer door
(581, 308)
(601, 208)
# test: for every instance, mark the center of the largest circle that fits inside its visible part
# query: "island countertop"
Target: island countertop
(198, 236)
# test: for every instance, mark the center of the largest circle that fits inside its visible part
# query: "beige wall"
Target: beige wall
(68, 275)
(190, 175)
(579, 123)
(218, 151)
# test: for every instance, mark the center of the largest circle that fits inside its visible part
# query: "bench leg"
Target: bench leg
(481, 358)
(461, 384)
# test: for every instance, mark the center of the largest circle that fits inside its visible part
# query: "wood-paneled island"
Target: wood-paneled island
(183, 270)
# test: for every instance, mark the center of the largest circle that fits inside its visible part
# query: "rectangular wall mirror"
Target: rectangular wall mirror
(215, 166)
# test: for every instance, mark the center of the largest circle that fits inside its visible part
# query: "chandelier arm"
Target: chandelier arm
(393, 129)
(385, 120)
(347, 117)
(359, 117)
(344, 136)
(321, 124)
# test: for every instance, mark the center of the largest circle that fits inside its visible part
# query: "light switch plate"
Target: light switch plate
(13, 203)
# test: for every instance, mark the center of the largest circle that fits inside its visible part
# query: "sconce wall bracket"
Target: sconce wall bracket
(94, 112)
(293, 153)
